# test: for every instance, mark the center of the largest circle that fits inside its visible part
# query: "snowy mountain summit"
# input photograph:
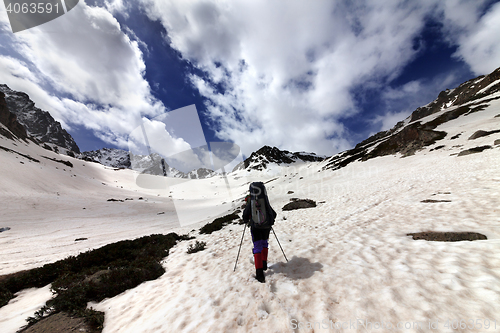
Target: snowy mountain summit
(260, 159)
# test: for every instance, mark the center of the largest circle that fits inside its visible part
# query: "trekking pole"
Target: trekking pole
(236, 263)
(279, 244)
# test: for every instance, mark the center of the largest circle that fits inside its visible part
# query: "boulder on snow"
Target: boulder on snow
(481, 133)
(473, 150)
(299, 204)
(436, 236)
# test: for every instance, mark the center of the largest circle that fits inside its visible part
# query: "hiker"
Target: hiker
(259, 216)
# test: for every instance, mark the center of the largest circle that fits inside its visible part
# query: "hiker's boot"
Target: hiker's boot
(259, 271)
(264, 258)
(259, 275)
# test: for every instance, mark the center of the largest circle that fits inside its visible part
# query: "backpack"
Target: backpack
(262, 214)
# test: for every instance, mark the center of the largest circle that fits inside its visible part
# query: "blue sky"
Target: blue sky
(303, 76)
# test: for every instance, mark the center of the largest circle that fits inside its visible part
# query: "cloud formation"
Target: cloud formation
(283, 72)
(480, 45)
(84, 70)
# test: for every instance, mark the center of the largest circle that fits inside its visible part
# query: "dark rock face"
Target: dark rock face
(39, 124)
(466, 92)
(414, 134)
(10, 121)
(260, 159)
(299, 204)
(407, 141)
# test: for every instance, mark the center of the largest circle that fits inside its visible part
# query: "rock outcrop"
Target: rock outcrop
(9, 119)
(39, 124)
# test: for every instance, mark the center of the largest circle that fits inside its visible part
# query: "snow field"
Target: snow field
(349, 258)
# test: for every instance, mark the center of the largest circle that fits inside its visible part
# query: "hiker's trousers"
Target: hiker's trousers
(260, 239)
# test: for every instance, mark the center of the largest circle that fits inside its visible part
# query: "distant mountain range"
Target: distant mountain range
(22, 119)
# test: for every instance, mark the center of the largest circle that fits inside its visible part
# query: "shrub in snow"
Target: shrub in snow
(299, 204)
(93, 276)
(197, 247)
(218, 223)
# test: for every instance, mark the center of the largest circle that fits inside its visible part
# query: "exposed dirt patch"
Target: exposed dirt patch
(436, 236)
(60, 322)
(67, 163)
(438, 147)
(115, 200)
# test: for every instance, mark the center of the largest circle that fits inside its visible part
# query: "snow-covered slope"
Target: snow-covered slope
(350, 261)
(349, 258)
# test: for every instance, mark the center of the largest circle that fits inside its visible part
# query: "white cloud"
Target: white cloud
(480, 47)
(84, 70)
(288, 68)
(398, 103)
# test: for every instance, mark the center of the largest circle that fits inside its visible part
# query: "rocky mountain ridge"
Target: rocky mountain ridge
(12, 127)
(419, 129)
(38, 124)
(406, 137)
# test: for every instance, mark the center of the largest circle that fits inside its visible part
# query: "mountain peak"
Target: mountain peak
(39, 124)
(261, 158)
